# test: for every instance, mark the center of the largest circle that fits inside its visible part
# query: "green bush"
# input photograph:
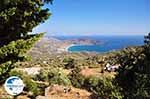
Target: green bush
(102, 87)
(76, 78)
(69, 63)
(14, 52)
(134, 74)
(53, 76)
(30, 85)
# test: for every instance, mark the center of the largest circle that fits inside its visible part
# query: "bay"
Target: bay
(109, 43)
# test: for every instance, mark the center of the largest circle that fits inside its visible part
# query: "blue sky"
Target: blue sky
(97, 17)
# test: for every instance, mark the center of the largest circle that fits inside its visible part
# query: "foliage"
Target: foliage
(76, 78)
(53, 76)
(30, 85)
(147, 39)
(91, 62)
(13, 52)
(134, 73)
(69, 63)
(103, 87)
(17, 19)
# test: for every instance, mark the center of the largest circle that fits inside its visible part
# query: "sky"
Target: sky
(97, 17)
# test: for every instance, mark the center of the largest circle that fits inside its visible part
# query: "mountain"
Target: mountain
(52, 46)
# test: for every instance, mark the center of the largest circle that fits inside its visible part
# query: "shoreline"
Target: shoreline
(71, 45)
(66, 48)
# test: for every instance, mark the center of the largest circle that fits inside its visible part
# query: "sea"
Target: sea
(110, 43)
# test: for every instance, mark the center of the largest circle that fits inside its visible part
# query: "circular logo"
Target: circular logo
(14, 85)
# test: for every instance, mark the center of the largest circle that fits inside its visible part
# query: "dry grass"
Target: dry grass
(96, 72)
(57, 92)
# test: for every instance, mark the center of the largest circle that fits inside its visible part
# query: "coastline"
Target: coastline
(66, 49)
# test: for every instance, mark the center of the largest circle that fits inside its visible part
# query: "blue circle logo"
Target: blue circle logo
(14, 85)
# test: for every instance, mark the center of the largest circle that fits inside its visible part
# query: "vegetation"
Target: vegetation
(134, 73)
(53, 76)
(100, 86)
(69, 63)
(76, 78)
(30, 85)
(17, 19)
(103, 87)
(131, 81)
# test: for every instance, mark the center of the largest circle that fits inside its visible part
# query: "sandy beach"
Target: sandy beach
(66, 49)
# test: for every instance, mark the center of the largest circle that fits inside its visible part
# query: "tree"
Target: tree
(53, 76)
(147, 39)
(103, 88)
(76, 78)
(69, 63)
(17, 19)
(134, 74)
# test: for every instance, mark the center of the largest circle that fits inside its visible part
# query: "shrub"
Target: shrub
(103, 87)
(69, 63)
(134, 74)
(76, 78)
(14, 52)
(53, 76)
(30, 85)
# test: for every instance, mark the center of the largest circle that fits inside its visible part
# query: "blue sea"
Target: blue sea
(110, 43)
